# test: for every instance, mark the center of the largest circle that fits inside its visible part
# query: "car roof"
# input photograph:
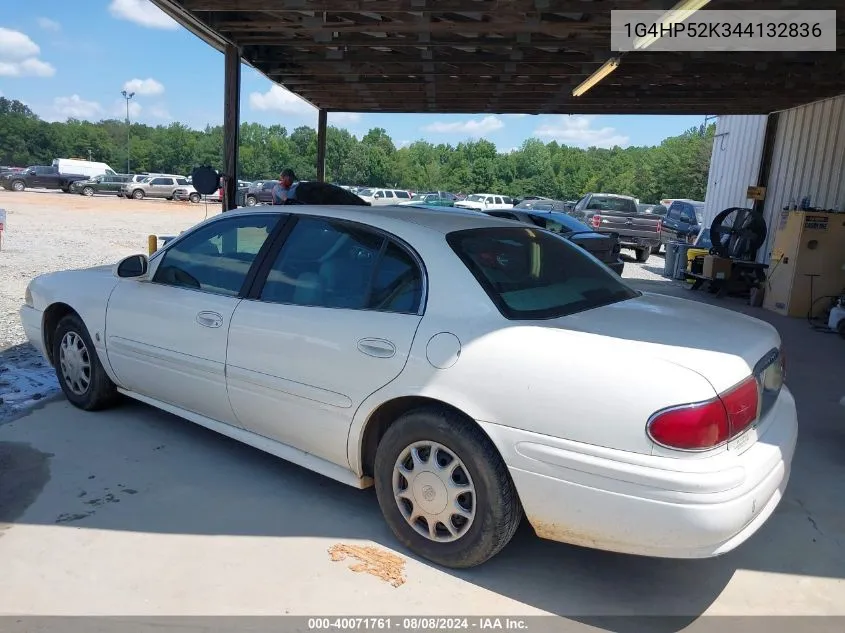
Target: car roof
(439, 219)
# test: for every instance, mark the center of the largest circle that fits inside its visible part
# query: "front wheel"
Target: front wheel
(643, 254)
(251, 201)
(138, 194)
(194, 197)
(18, 185)
(655, 250)
(78, 369)
(444, 490)
(88, 191)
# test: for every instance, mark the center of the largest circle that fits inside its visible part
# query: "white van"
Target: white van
(72, 166)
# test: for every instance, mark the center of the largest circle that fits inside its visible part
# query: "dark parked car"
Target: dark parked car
(43, 176)
(106, 183)
(604, 247)
(545, 204)
(306, 192)
(612, 213)
(684, 218)
(260, 191)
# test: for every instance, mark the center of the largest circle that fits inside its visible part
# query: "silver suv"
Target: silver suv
(154, 187)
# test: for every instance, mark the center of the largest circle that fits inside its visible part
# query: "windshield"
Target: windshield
(365, 192)
(607, 203)
(703, 240)
(531, 274)
(476, 198)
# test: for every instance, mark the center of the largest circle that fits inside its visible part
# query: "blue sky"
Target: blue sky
(75, 63)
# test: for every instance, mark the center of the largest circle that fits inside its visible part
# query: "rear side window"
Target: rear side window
(403, 194)
(530, 274)
(607, 203)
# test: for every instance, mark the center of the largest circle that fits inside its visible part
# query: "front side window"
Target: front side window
(331, 264)
(530, 274)
(216, 257)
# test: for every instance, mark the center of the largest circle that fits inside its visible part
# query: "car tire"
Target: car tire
(78, 368)
(18, 185)
(490, 497)
(88, 191)
(251, 201)
(643, 254)
(138, 194)
(194, 197)
(655, 250)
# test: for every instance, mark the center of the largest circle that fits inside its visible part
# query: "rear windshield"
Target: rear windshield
(699, 213)
(606, 203)
(532, 274)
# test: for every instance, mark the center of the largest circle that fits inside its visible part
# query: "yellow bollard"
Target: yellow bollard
(152, 243)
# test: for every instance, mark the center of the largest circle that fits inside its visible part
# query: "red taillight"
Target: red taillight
(596, 221)
(707, 424)
(659, 226)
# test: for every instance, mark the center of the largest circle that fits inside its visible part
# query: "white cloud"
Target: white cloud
(147, 86)
(16, 45)
(19, 56)
(278, 99)
(344, 118)
(578, 130)
(76, 107)
(49, 25)
(472, 127)
(402, 144)
(142, 12)
(517, 114)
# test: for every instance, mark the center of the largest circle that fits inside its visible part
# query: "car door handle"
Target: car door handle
(378, 347)
(210, 319)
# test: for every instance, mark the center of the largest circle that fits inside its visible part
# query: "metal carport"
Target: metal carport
(488, 56)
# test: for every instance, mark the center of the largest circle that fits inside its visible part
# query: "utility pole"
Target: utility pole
(127, 96)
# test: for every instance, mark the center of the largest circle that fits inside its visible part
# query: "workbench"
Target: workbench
(743, 277)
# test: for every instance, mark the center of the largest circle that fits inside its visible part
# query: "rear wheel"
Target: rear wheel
(138, 194)
(81, 375)
(444, 490)
(655, 249)
(643, 254)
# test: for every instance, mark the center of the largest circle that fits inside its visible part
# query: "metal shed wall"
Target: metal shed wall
(808, 159)
(734, 162)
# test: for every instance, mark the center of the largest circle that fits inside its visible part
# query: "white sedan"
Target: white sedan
(473, 369)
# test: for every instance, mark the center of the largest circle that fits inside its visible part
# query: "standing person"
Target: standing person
(280, 191)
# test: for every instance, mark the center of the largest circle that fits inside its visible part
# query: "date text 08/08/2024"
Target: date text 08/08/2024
(433, 623)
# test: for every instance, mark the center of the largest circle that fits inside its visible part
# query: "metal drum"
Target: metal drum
(671, 258)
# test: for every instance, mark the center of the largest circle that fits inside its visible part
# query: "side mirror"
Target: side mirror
(132, 266)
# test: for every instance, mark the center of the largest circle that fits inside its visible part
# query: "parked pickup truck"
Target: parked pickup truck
(612, 213)
(45, 177)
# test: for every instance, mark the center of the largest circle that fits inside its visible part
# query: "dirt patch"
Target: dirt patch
(24, 471)
(372, 560)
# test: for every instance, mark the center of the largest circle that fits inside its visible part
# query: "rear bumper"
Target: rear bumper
(650, 505)
(629, 241)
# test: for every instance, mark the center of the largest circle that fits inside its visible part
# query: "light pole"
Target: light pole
(127, 96)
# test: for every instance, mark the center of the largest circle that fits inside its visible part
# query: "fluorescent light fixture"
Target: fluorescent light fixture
(677, 14)
(606, 68)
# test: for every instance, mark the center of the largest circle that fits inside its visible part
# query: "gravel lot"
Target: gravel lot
(48, 231)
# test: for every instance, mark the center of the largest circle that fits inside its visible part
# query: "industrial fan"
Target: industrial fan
(737, 233)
